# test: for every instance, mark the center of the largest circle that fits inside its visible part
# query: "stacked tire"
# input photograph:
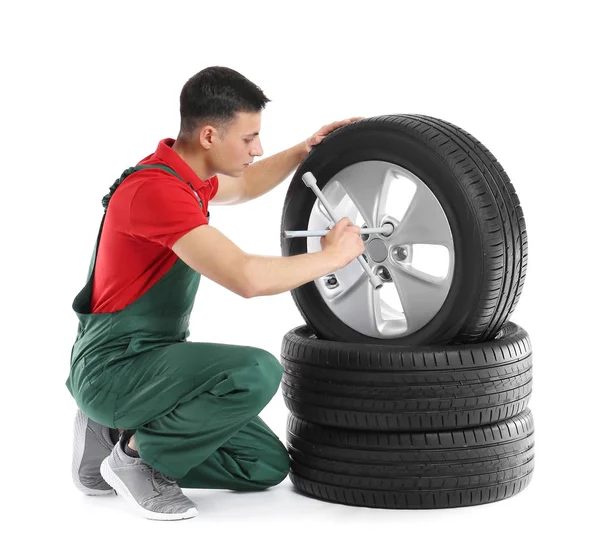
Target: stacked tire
(431, 414)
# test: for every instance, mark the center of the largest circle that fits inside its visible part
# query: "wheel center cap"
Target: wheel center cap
(377, 250)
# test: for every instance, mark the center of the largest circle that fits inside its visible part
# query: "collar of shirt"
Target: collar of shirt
(165, 152)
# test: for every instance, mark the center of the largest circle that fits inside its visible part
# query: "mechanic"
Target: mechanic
(156, 412)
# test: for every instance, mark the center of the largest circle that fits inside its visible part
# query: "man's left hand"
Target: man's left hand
(317, 137)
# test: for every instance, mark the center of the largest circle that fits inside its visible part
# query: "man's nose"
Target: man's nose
(257, 150)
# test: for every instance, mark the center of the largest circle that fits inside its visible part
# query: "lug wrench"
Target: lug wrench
(310, 181)
(386, 229)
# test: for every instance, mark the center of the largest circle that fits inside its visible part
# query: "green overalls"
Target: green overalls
(193, 406)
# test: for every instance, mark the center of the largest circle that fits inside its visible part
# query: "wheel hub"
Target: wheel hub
(377, 250)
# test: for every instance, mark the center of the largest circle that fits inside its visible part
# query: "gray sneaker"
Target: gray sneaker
(152, 494)
(91, 444)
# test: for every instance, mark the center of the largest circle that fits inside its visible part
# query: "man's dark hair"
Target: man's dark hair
(215, 95)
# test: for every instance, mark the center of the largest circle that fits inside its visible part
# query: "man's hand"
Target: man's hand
(317, 137)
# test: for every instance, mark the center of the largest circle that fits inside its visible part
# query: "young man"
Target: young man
(157, 412)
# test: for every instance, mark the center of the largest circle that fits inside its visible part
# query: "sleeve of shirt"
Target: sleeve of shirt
(163, 212)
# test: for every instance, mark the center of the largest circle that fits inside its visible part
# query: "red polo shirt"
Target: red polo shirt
(149, 211)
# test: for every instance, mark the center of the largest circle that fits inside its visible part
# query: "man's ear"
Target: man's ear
(207, 136)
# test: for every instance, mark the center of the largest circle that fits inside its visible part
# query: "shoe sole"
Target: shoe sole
(113, 480)
(81, 421)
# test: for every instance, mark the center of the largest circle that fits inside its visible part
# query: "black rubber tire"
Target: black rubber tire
(374, 387)
(412, 470)
(480, 203)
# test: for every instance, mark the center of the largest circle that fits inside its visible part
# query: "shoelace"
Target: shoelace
(159, 480)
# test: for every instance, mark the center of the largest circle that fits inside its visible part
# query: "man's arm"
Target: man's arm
(259, 178)
(209, 252)
(263, 176)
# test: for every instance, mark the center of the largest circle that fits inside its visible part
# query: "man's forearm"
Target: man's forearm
(268, 275)
(263, 176)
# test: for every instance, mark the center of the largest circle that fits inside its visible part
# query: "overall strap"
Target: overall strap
(131, 170)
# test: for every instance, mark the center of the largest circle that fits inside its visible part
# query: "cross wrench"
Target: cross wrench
(385, 229)
(310, 181)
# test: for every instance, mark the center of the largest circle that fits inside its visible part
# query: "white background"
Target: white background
(90, 88)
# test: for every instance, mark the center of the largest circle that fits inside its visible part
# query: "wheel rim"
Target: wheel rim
(418, 280)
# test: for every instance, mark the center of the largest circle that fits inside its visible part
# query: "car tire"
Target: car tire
(434, 387)
(412, 470)
(483, 213)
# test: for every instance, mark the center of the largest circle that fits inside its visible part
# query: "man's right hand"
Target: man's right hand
(343, 242)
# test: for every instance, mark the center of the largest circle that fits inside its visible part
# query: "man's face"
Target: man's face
(239, 146)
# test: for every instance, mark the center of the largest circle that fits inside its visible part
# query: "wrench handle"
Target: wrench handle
(373, 277)
(310, 181)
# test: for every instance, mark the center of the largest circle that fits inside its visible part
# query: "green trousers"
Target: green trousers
(194, 409)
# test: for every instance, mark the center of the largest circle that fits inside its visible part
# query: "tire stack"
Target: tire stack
(439, 418)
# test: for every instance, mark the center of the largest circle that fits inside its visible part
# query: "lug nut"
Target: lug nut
(383, 273)
(392, 228)
(365, 237)
(400, 254)
(331, 281)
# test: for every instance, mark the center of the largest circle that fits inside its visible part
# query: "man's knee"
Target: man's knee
(267, 374)
(282, 467)
(279, 467)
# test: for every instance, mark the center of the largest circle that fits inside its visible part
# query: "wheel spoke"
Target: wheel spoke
(367, 184)
(356, 305)
(421, 294)
(424, 221)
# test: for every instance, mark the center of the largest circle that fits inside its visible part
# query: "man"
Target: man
(157, 412)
